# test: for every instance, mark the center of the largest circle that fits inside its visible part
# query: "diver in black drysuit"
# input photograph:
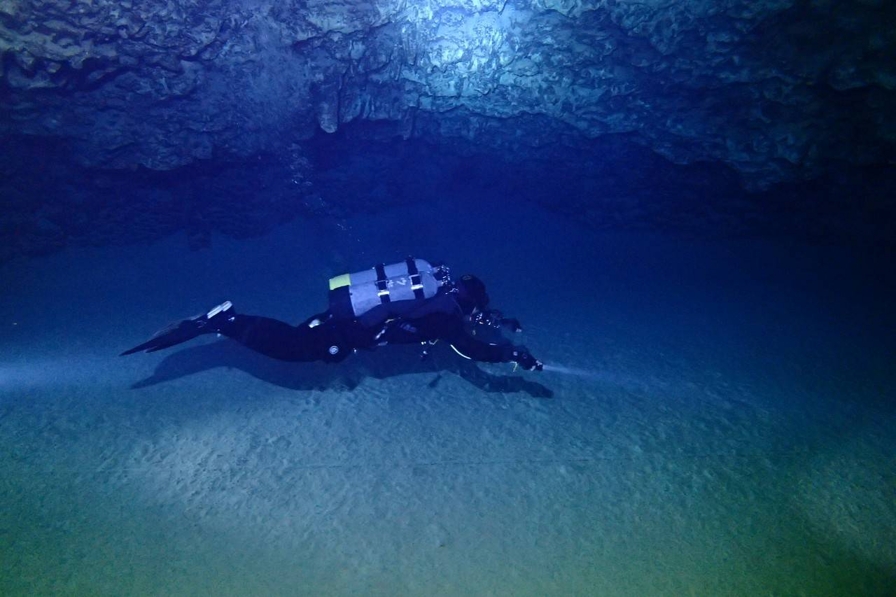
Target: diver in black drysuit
(453, 315)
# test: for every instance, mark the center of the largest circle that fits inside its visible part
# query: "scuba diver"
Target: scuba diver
(402, 303)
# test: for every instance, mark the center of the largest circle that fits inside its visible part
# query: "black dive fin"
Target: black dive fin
(174, 334)
(187, 329)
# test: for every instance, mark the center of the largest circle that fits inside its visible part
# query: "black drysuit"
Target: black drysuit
(327, 338)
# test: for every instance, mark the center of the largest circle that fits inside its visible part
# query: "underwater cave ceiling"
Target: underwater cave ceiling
(774, 90)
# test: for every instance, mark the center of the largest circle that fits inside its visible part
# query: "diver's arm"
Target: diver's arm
(472, 348)
(494, 318)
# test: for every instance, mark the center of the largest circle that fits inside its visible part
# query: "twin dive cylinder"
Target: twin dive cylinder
(398, 286)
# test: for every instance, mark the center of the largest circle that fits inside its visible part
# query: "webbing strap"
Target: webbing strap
(416, 279)
(382, 288)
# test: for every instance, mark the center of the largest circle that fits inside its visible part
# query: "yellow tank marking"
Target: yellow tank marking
(340, 281)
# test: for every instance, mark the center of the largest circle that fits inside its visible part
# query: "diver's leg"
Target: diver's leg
(323, 341)
(318, 338)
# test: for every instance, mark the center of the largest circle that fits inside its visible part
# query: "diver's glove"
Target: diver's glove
(524, 359)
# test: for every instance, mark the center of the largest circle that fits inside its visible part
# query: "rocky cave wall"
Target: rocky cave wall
(768, 92)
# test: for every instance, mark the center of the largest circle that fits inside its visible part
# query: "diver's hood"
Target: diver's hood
(471, 294)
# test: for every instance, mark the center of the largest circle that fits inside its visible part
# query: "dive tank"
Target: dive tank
(352, 295)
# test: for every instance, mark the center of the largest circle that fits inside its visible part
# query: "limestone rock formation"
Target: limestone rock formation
(772, 87)
(775, 90)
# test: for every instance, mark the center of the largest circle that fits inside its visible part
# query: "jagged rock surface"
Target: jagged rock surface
(108, 108)
(773, 88)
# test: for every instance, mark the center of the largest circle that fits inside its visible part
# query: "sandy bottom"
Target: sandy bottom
(719, 420)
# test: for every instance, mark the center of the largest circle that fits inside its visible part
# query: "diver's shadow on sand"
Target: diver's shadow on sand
(388, 362)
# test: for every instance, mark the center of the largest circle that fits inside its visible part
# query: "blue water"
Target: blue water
(715, 418)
